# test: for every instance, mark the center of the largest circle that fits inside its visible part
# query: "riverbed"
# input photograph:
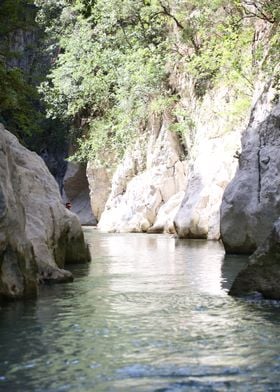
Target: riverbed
(149, 313)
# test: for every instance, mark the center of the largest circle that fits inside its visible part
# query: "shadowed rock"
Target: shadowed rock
(262, 275)
(251, 202)
(38, 235)
(76, 189)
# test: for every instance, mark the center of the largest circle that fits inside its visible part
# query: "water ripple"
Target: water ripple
(149, 314)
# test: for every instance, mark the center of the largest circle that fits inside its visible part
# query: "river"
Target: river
(149, 313)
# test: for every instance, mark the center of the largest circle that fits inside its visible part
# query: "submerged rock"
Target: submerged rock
(262, 274)
(38, 235)
(251, 202)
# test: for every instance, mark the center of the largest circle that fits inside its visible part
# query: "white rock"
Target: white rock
(146, 179)
(165, 218)
(211, 167)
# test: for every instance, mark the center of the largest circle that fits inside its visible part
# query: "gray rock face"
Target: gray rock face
(56, 163)
(38, 236)
(99, 180)
(262, 275)
(251, 202)
(76, 190)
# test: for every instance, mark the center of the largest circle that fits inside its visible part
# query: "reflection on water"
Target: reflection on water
(150, 313)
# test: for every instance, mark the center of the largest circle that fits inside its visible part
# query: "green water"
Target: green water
(148, 314)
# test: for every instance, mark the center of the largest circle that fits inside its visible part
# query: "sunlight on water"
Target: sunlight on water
(150, 313)
(135, 254)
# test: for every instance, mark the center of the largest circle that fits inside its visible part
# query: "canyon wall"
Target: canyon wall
(173, 181)
(262, 274)
(251, 202)
(251, 205)
(76, 191)
(148, 185)
(213, 146)
(38, 234)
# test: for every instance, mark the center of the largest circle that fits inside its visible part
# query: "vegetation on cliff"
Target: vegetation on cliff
(17, 94)
(23, 66)
(114, 59)
(111, 63)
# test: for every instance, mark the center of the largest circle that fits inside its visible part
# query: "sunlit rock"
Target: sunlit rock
(145, 181)
(38, 235)
(212, 144)
(166, 214)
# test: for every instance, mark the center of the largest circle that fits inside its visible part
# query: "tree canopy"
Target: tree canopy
(17, 94)
(111, 62)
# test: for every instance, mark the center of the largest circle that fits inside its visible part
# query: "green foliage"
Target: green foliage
(15, 14)
(184, 122)
(18, 98)
(222, 46)
(162, 103)
(111, 61)
(23, 65)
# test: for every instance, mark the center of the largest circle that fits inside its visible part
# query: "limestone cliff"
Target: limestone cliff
(251, 203)
(175, 176)
(149, 181)
(172, 182)
(38, 236)
(99, 179)
(76, 190)
(211, 163)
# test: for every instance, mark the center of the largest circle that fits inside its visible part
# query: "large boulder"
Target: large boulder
(251, 202)
(262, 274)
(38, 235)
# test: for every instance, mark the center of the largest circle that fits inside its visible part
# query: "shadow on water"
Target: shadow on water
(231, 265)
(266, 311)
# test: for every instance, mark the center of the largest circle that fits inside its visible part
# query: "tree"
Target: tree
(18, 97)
(112, 59)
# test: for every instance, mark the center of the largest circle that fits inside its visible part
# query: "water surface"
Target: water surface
(150, 313)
